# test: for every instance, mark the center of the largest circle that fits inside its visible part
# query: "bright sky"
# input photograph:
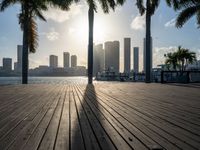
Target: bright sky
(68, 31)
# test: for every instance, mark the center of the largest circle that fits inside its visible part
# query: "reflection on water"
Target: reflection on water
(44, 80)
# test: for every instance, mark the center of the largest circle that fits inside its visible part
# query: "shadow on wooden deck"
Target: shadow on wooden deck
(89, 132)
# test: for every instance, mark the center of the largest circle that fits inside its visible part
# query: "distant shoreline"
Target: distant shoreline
(39, 76)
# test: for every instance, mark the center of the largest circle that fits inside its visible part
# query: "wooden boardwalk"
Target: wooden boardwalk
(105, 116)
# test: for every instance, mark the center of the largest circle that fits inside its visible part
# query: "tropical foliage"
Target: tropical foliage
(148, 9)
(30, 10)
(180, 59)
(106, 5)
(187, 8)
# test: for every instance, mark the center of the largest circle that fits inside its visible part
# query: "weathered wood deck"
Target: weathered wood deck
(104, 116)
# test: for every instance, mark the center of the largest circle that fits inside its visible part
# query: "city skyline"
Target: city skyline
(62, 32)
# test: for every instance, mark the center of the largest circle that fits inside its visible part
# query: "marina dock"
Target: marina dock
(103, 116)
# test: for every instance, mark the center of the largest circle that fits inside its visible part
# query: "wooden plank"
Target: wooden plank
(115, 136)
(49, 137)
(25, 134)
(10, 131)
(89, 137)
(140, 117)
(136, 132)
(76, 137)
(62, 140)
(191, 138)
(36, 137)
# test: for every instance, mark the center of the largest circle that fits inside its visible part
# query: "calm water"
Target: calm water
(43, 80)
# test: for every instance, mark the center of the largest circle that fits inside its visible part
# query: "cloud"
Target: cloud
(198, 54)
(52, 35)
(138, 23)
(171, 23)
(158, 54)
(71, 30)
(34, 63)
(60, 16)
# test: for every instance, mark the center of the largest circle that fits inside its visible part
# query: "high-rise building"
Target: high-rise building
(112, 56)
(136, 59)
(15, 66)
(66, 57)
(73, 61)
(7, 64)
(98, 59)
(53, 61)
(127, 55)
(18, 65)
(144, 55)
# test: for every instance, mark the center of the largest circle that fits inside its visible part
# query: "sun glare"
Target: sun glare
(99, 31)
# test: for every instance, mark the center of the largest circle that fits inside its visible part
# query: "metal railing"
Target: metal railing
(180, 77)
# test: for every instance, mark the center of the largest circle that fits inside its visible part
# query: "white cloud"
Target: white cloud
(52, 35)
(158, 54)
(34, 63)
(71, 30)
(60, 16)
(138, 23)
(171, 23)
(198, 54)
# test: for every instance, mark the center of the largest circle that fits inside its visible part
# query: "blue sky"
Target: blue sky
(67, 31)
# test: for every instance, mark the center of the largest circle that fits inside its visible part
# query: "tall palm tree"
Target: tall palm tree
(182, 57)
(30, 10)
(190, 58)
(188, 9)
(171, 59)
(149, 10)
(185, 57)
(105, 5)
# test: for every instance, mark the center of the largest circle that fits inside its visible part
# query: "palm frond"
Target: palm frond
(140, 6)
(33, 36)
(6, 3)
(62, 4)
(174, 3)
(121, 2)
(154, 5)
(112, 4)
(185, 15)
(198, 18)
(39, 14)
(104, 5)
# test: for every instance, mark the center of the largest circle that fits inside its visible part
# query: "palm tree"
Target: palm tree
(182, 57)
(188, 9)
(149, 10)
(171, 60)
(30, 10)
(106, 5)
(185, 57)
(190, 58)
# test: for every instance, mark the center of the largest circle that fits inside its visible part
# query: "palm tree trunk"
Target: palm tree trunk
(90, 45)
(148, 44)
(25, 47)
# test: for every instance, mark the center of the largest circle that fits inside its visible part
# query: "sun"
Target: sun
(99, 31)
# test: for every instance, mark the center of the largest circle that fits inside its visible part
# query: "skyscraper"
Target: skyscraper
(73, 61)
(127, 56)
(136, 59)
(66, 57)
(99, 59)
(19, 58)
(7, 64)
(53, 61)
(112, 56)
(144, 55)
